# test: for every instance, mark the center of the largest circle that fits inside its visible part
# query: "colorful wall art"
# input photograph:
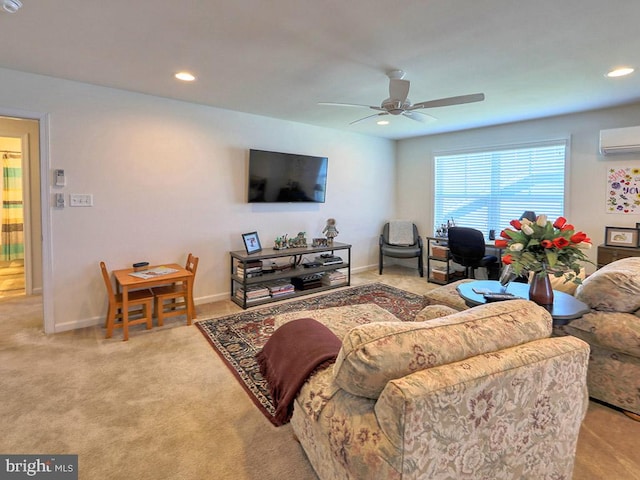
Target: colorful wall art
(623, 190)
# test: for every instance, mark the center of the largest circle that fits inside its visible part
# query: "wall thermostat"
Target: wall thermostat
(59, 177)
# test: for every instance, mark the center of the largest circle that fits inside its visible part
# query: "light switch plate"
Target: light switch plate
(80, 200)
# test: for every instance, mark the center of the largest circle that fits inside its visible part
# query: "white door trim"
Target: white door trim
(45, 204)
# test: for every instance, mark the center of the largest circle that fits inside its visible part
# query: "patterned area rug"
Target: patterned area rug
(237, 338)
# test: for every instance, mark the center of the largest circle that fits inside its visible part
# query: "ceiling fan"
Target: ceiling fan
(399, 104)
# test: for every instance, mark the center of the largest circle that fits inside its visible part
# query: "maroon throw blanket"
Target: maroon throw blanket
(290, 355)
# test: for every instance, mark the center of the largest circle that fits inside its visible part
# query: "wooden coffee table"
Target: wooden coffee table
(564, 309)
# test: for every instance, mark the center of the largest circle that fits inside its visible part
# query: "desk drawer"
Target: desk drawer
(438, 251)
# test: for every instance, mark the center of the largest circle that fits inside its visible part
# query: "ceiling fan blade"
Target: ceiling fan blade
(398, 89)
(334, 104)
(369, 116)
(445, 102)
(419, 116)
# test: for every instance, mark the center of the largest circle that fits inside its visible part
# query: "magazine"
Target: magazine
(154, 272)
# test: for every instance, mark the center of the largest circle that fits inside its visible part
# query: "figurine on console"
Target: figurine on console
(320, 242)
(299, 241)
(281, 243)
(330, 231)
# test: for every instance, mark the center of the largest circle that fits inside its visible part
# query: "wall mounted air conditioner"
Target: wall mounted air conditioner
(620, 140)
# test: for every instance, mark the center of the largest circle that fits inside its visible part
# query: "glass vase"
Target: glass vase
(540, 291)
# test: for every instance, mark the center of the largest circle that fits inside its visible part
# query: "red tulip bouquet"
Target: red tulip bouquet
(544, 248)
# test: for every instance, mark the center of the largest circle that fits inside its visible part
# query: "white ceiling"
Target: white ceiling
(279, 58)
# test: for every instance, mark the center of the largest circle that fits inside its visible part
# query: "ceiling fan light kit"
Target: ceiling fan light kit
(11, 6)
(398, 102)
(620, 72)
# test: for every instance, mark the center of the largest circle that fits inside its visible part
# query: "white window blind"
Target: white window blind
(488, 189)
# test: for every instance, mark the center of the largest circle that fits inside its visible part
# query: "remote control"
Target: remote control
(495, 297)
(483, 291)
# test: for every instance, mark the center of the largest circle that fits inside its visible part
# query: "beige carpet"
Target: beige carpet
(163, 405)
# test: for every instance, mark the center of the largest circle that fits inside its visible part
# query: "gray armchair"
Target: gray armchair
(400, 239)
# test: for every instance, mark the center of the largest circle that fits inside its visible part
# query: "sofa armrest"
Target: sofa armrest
(527, 399)
(615, 331)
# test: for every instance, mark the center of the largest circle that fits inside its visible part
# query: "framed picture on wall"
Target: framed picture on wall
(621, 237)
(251, 242)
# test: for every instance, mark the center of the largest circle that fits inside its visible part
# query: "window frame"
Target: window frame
(489, 149)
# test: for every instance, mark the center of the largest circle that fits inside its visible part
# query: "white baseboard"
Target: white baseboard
(212, 298)
(88, 322)
(94, 321)
(366, 268)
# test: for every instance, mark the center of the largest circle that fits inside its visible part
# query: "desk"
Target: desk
(441, 255)
(564, 309)
(127, 282)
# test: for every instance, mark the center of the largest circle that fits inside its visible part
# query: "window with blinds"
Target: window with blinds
(488, 189)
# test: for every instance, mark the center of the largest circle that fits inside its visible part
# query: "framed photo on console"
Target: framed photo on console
(251, 242)
(621, 237)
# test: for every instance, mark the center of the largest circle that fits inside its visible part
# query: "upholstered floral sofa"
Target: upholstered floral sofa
(481, 394)
(612, 329)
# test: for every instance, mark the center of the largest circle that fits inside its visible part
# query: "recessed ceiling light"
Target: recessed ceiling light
(185, 76)
(383, 122)
(620, 72)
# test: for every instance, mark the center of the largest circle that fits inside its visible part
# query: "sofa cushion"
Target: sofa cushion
(340, 319)
(614, 287)
(434, 311)
(448, 295)
(373, 354)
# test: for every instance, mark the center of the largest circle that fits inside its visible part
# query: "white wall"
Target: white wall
(587, 169)
(169, 177)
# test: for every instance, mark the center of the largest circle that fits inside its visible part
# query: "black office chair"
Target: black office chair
(412, 250)
(467, 247)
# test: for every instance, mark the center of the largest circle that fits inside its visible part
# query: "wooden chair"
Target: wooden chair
(140, 300)
(176, 296)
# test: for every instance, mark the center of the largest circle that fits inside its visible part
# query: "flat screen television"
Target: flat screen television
(276, 177)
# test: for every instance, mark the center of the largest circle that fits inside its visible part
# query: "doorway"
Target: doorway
(20, 232)
(12, 278)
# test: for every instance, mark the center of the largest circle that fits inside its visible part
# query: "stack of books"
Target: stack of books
(249, 269)
(280, 288)
(334, 278)
(254, 293)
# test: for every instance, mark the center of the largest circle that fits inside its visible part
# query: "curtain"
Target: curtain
(12, 208)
